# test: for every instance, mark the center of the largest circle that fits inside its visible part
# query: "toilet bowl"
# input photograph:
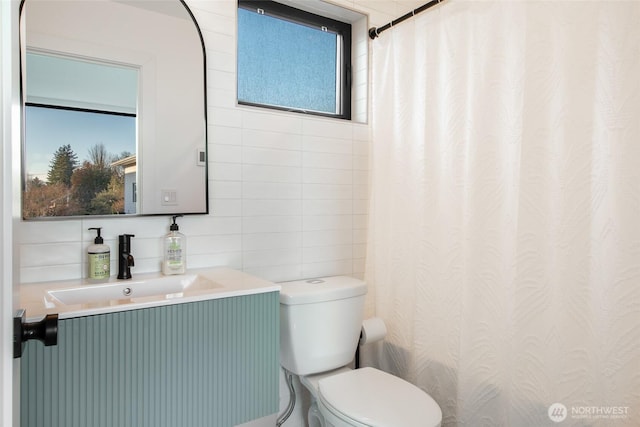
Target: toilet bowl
(370, 397)
(320, 322)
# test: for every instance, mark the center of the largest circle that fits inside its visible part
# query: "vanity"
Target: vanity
(191, 350)
(199, 349)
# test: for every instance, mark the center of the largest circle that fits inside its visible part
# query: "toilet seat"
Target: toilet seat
(370, 397)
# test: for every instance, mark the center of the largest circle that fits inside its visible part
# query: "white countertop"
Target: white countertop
(212, 283)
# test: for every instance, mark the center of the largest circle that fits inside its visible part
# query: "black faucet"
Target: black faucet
(125, 259)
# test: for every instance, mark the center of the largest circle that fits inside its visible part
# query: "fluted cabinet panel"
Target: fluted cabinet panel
(209, 363)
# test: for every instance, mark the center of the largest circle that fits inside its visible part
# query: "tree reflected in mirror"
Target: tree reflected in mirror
(96, 187)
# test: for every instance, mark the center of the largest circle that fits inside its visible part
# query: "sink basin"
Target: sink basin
(163, 287)
(77, 298)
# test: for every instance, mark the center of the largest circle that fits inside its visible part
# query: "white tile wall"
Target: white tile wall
(288, 192)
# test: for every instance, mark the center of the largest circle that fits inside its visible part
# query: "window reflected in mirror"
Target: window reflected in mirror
(80, 137)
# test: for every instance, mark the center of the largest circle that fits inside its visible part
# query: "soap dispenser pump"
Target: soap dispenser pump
(99, 256)
(175, 250)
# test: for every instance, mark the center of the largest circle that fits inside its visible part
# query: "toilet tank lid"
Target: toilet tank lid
(321, 289)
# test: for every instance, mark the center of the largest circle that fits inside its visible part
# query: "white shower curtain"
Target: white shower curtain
(504, 238)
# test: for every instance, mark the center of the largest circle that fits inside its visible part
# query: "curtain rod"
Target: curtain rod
(375, 32)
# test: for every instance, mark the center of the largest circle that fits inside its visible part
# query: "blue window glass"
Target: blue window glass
(290, 64)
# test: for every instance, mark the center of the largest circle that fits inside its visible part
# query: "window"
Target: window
(77, 128)
(69, 161)
(293, 60)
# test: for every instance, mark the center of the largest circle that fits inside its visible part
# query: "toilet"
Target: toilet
(320, 324)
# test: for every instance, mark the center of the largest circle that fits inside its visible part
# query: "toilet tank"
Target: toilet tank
(320, 323)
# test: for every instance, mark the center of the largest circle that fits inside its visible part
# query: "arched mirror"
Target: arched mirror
(114, 108)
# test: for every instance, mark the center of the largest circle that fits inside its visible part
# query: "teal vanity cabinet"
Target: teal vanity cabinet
(195, 364)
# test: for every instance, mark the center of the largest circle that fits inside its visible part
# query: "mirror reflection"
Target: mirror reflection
(114, 109)
(69, 123)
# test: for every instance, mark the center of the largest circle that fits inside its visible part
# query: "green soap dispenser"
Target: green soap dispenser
(175, 250)
(99, 259)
